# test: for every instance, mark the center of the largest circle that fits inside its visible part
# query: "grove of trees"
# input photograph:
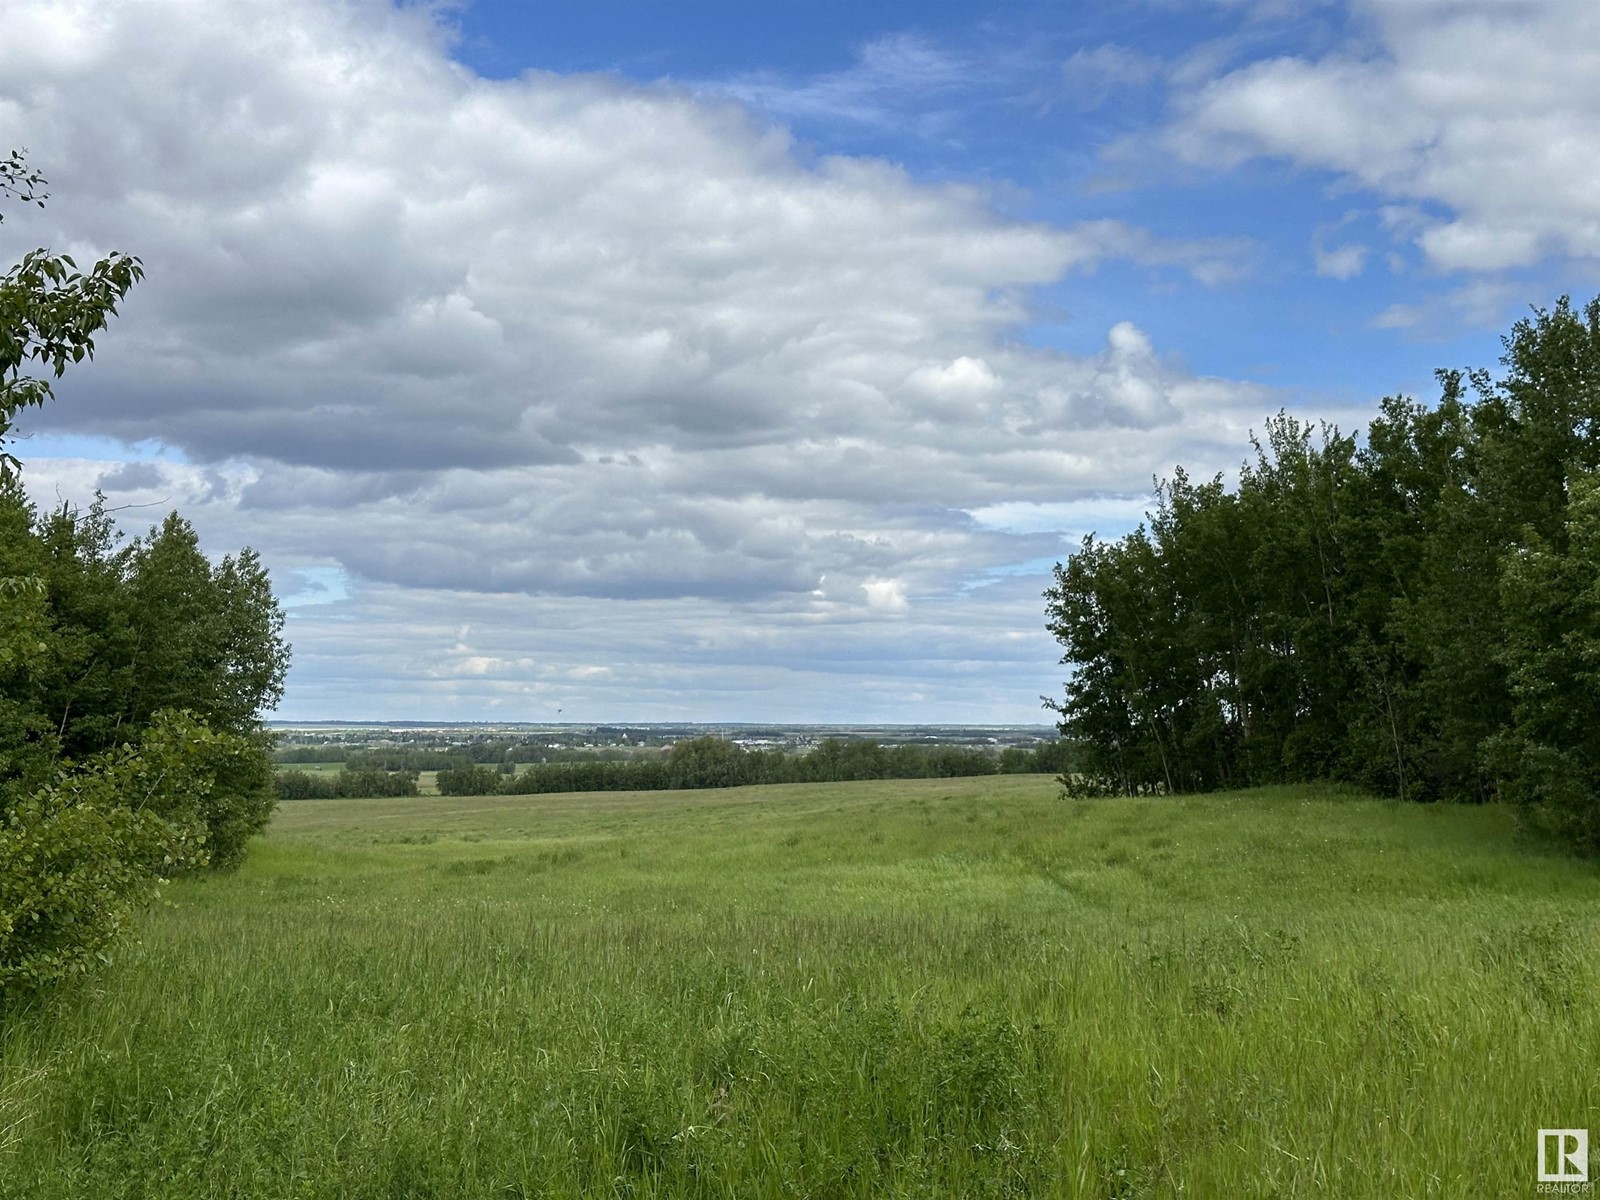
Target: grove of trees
(133, 673)
(1416, 610)
(364, 784)
(708, 762)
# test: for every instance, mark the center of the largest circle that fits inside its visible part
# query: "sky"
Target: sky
(703, 360)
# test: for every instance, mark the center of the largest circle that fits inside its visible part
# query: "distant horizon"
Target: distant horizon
(375, 724)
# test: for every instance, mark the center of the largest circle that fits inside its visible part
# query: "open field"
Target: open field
(930, 988)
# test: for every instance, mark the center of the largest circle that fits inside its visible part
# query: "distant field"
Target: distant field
(930, 988)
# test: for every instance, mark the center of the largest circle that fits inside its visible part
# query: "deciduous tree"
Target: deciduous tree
(132, 677)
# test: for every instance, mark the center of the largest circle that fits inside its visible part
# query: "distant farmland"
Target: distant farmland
(920, 988)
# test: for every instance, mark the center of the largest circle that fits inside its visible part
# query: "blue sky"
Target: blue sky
(1009, 109)
(714, 361)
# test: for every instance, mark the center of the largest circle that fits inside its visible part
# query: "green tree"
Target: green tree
(1548, 758)
(1415, 614)
(705, 762)
(468, 780)
(132, 677)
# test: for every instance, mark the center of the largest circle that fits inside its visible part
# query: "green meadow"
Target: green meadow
(930, 988)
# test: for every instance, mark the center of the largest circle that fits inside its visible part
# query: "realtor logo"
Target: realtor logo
(1563, 1156)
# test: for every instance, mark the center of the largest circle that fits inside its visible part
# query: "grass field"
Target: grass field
(932, 988)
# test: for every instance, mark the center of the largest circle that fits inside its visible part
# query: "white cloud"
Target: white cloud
(1341, 262)
(886, 595)
(1107, 517)
(1486, 109)
(595, 353)
(1479, 302)
(901, 79)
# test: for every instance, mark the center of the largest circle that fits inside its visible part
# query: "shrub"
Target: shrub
(79, 857)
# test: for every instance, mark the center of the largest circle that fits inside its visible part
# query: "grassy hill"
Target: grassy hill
(912, 988)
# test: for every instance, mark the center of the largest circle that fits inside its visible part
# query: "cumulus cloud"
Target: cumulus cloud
(1479, 119)
(570, 344)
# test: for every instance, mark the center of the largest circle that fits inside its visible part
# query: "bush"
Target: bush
(80, 857)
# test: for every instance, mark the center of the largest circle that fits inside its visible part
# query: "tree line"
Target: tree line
(344, 784)
(711, 762)
(1416, 610)
(704, 762)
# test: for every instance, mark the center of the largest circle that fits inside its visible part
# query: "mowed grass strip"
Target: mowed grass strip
(903, 988)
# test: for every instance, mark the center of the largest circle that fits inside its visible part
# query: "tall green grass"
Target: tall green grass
(924, 988)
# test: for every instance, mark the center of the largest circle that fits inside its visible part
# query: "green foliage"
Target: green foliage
(310, 754)
(79, 857)
(106, 636)
(468, 781)
(713, 762)
(306, 785)
(302, 785)
(49, 310)
(1549, 758)
(132, 677)
(397, 759)
(234, 799)
(1405, 613)
(26, 749)
(704, 762)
